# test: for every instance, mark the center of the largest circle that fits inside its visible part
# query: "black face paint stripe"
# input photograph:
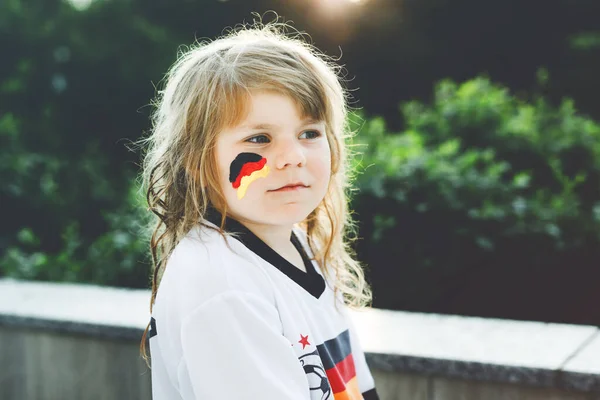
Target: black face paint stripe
(236, 165)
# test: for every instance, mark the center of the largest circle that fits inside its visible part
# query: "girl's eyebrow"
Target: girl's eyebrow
(259, 126)
(308, 121)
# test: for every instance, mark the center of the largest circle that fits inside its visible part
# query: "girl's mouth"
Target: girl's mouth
(290, 188)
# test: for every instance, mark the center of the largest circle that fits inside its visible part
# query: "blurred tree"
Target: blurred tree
(396, 59)
(486, 205)
(70, 88)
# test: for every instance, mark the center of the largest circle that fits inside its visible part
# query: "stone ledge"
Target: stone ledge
(80, 309)
(482, 349)
(479, 349)
(72, 328)
(582, 370)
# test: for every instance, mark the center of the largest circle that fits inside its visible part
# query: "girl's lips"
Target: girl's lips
(290, 188)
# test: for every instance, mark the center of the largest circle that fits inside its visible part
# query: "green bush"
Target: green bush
(479, 179)
(119, 257)
(71, 97)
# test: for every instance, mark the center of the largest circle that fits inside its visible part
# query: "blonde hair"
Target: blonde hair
(207, 90)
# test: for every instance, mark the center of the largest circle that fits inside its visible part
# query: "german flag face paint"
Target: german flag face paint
(245, 169)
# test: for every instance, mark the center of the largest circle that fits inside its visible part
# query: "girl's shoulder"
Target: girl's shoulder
(205, 264)
(206, 243)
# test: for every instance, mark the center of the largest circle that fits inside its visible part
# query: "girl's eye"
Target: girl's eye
(259, 139)
(311, 134)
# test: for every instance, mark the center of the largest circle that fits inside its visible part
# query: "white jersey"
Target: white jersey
(235, 320)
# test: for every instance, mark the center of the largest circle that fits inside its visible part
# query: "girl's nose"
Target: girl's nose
(290, 153)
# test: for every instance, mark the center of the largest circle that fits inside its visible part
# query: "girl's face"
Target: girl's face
(271, 148)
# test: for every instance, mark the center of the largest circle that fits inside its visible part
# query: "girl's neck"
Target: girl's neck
(276, 237)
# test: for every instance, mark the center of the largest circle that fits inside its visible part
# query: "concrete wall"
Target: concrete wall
(403, 386)
(49, 365)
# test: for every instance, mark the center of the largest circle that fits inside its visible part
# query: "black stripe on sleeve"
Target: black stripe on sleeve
(152, 332)
(371, 395)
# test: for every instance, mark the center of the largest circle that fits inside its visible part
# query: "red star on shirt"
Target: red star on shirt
(304, 341)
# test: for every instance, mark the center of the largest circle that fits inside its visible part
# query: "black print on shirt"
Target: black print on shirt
(315, 373)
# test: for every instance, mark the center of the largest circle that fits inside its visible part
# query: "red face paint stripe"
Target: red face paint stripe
(248, 169)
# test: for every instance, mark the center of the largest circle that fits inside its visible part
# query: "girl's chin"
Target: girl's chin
(288, 214)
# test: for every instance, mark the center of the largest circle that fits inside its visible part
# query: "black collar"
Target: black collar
(311, 281)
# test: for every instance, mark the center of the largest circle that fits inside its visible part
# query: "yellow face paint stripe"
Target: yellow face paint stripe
(247, 180)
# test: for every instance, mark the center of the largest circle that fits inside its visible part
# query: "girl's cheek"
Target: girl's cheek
(245, 169)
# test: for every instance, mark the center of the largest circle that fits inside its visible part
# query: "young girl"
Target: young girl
(246, 170)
